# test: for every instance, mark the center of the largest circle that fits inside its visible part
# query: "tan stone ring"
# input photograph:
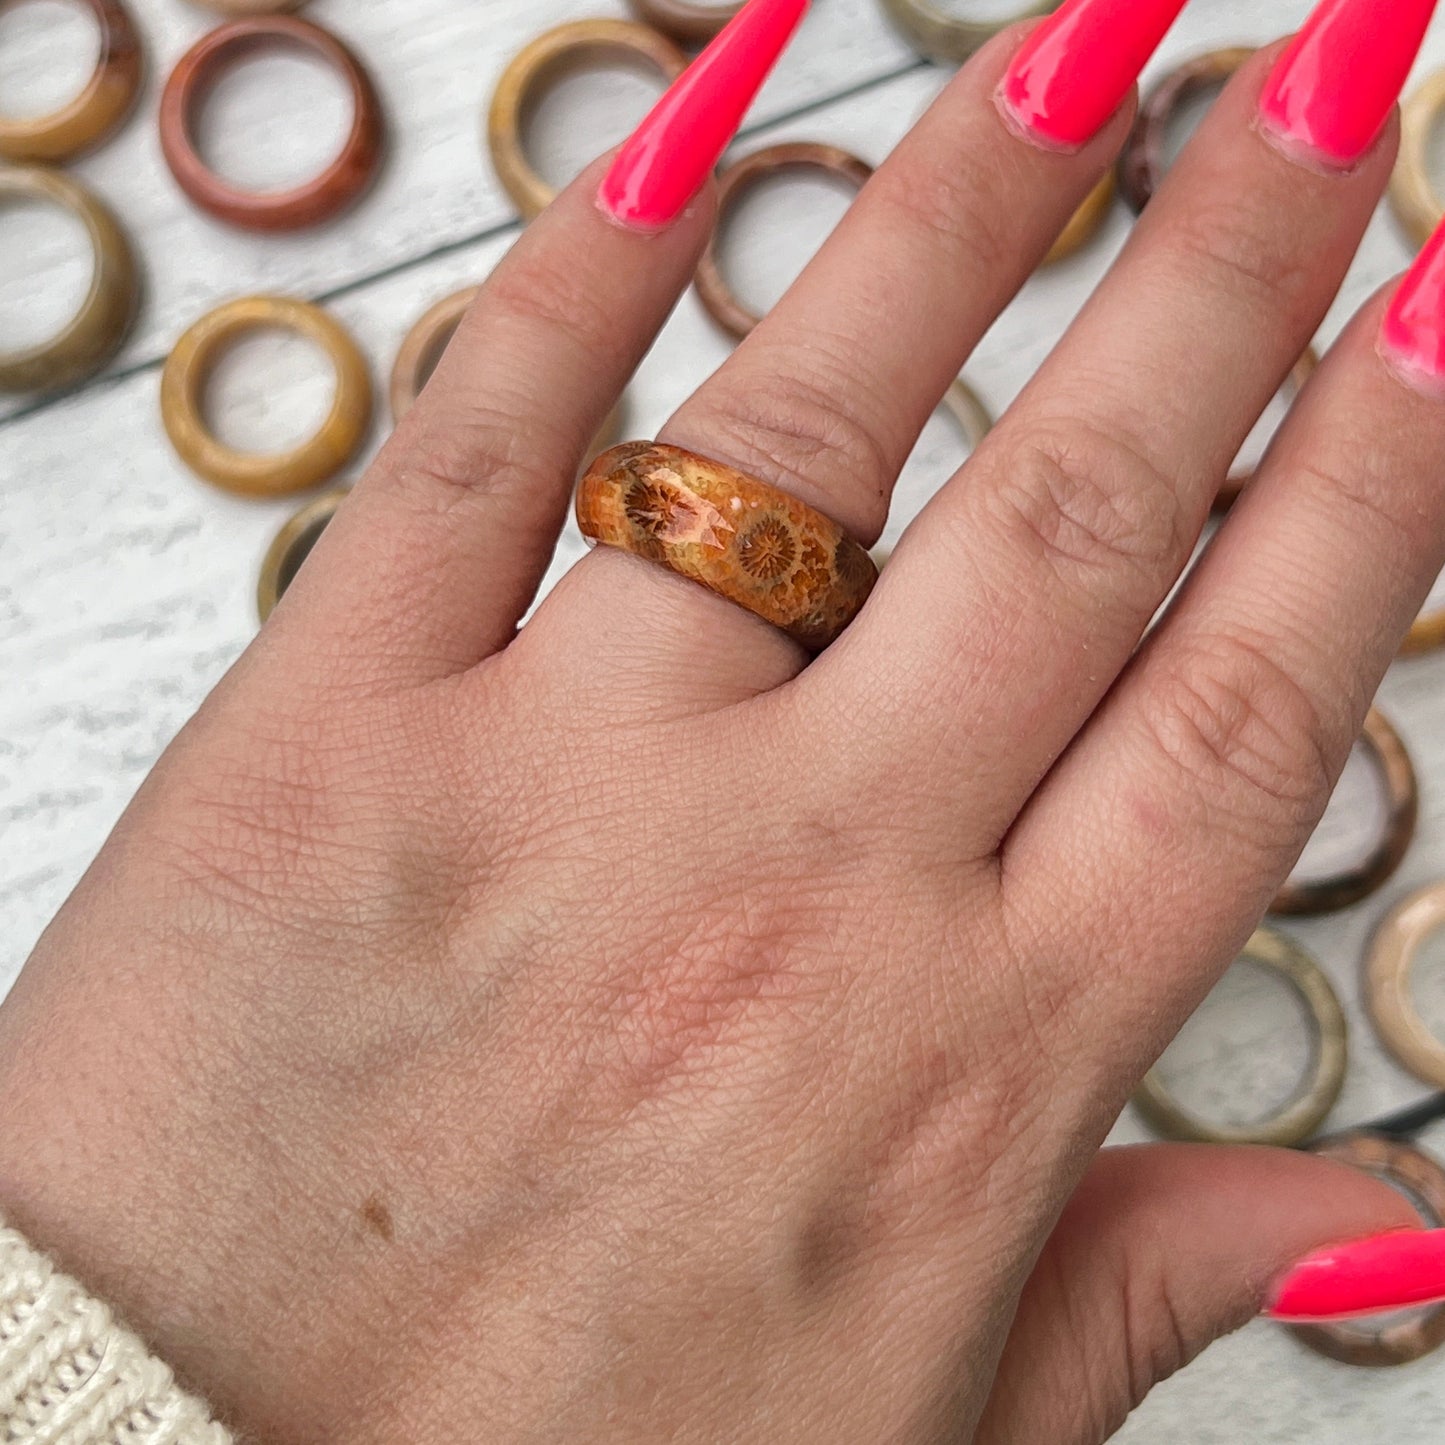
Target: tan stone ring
(95, 333)
(758, 547)
(1295, 1121)
(568, 45)
(1393, 954)
(255, 474)
(936, 34)
(100, 109)
(1416, 1175)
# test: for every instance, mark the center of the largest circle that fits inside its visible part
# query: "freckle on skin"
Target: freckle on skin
(377, 1218)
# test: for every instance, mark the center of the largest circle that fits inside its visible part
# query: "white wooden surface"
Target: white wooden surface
(126, 585)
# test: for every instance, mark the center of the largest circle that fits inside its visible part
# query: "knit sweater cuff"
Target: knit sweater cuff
(71, 1375)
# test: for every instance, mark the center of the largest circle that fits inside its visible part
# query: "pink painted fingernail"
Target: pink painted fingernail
(1333, 89)
(1412, 338)
(1075, 70)
(1371, 1276)
(665, 163)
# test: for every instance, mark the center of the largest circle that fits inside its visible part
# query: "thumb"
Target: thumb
(1163, 1249)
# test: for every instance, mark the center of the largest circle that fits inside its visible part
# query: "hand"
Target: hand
(615, 1031)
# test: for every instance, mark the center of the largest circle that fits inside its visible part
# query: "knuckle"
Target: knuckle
(1238, 250)
(1244, 731)
(561, 300)
(952, 211)
(1364, 497)
(1087, 500)
(478, 454)
(800, 426)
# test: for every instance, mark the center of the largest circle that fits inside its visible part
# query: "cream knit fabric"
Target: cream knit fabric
(70, 1375)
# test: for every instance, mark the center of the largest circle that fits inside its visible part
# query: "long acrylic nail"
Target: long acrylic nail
(670, 155)
(1333, 89)
(1412, 338)
(1371, 1276)
(1074, 71)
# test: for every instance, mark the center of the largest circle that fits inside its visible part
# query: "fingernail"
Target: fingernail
(1333, 89)
(664, 164)
(1371, 1276)
(1412, 338)
(1074, 71)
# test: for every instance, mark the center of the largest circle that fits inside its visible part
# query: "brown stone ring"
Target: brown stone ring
(733, 182)
(292, 546)
(1422, 1180)
(749, 542)
(1296, 1120)
(936, 34)
(1413, 197)
(685, 21)
(95, 333)
(1388, 995)
(1236, 482)
(247, 7)
(1142, 165)
(574, 44)
(1402, 808)
(100, 109)
(339, 186)
(254, 474)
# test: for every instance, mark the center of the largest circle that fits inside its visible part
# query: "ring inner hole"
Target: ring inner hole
(49, 49)
(268, 390)
(1246, 1051)
(984, 11)
(272, 116)
(48, 272)
(1435, 154)
(1353, 824)
(761, 246)
(583, 104)
(1193, 106)
(1427, 983)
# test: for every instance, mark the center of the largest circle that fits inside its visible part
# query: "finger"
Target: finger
(1216, 755)
(827, 397)
(1015, 600)
(432, 562)
(1162, 1250)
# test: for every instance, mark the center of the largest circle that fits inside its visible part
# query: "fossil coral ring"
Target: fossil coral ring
(737, 536)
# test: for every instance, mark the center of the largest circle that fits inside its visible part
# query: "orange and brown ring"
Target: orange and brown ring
(95, 333)
(1422, 1180)
(686, 21)
(1144, 160)
(291, 547)
(576, 43)
(94, 115)
(751, 543)
(340, 185)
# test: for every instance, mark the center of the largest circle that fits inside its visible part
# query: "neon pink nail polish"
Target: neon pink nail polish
(1334, 88)
(1074, 71)
(668, 158)
(1389, 1272)
(1412, 337)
